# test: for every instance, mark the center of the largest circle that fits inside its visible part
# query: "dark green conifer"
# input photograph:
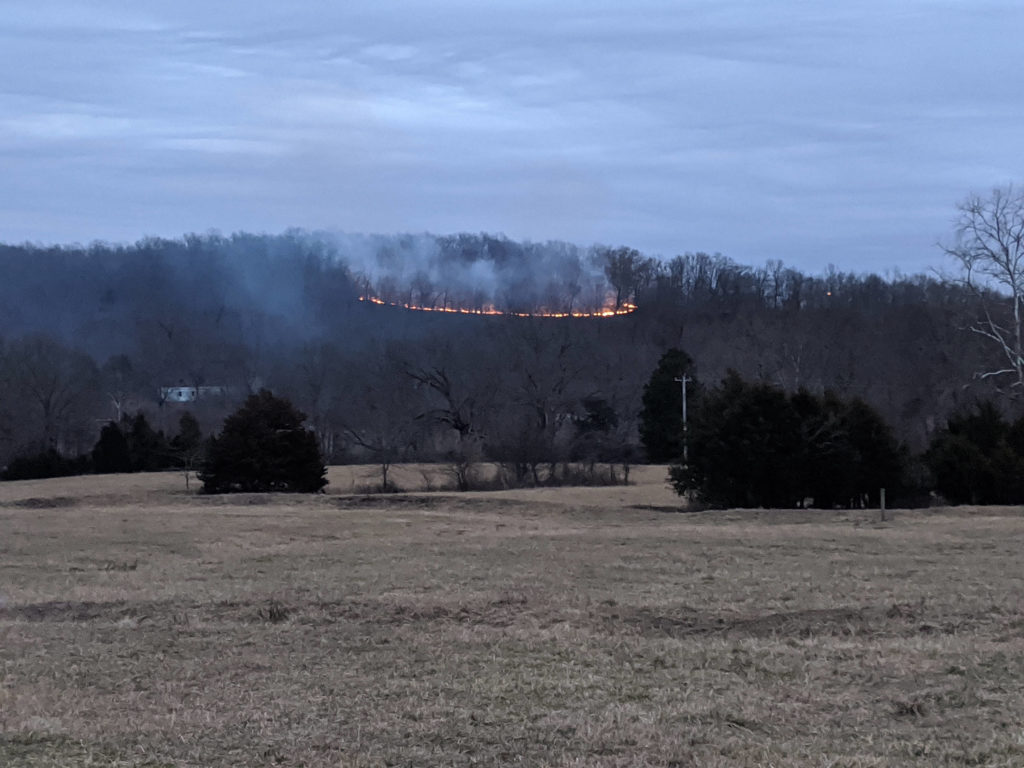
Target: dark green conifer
(264, 447)
(110, 454)
(661, 420)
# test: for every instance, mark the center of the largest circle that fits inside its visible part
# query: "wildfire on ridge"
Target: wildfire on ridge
(625, 309)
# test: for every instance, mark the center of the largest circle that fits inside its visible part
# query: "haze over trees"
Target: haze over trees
(96, 333)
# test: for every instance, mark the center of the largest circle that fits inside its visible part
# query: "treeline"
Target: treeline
(130, 445)
(94, 333)
(528, 393)
(751, 444)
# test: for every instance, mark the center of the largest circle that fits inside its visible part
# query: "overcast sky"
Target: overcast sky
(812, 132)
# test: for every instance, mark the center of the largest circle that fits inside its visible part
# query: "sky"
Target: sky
(808, 131)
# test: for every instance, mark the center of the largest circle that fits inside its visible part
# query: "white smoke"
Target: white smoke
(475, 271)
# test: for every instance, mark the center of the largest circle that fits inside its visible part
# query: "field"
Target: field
(141, 625)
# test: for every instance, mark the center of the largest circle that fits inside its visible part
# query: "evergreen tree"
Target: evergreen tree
(148, 448)
(661, 419)
(878, 460)
(189, 437)
(744, 443)
(264, 447)
(824, 466)
(111, 454)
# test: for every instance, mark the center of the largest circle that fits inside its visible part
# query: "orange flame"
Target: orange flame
(625, 309)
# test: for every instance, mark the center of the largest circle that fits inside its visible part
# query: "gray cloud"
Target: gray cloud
(790, 130)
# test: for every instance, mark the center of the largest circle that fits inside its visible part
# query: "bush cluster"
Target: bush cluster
(262, 447)
(45, 464)
(979, 458)
(129, 446)
(754, 445)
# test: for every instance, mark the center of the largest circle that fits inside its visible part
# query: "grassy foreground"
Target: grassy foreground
(143, 626)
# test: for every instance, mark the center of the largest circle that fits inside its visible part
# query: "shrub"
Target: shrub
(131, 446)
(45, 464)
(111, 453)
(147, 448)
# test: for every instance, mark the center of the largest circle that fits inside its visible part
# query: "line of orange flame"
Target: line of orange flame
(625, 309)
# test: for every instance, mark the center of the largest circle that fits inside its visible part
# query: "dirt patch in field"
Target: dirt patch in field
(500, 612)
(870, 621)
(453, 502)
(35, 502)
(390, 501)
(506, 611)
(80, 610)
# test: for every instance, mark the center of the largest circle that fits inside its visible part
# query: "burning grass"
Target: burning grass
(143, 626)
(609, 310)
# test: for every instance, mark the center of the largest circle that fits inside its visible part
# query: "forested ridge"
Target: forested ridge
(94, 333)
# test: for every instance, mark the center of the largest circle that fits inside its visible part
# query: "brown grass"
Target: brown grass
(143, 626)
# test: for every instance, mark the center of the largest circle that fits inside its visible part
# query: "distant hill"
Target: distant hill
(246, 310)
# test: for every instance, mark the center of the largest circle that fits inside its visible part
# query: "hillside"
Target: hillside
(113, 328)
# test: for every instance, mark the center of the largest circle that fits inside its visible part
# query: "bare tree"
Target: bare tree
(59, 389)
(457, 383)
(455, 410)
(117, 378)
(629, 273)
(380, 414)
(319, 379)
(989, 249)
(543, 382)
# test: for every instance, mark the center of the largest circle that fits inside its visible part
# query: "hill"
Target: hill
(114, 329)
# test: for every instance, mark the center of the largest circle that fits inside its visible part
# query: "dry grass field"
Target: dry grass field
(141, 625)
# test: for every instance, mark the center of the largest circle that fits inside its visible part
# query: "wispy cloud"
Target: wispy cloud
(809, 132)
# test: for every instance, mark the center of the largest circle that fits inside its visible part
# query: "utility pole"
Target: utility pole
(683, 381)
